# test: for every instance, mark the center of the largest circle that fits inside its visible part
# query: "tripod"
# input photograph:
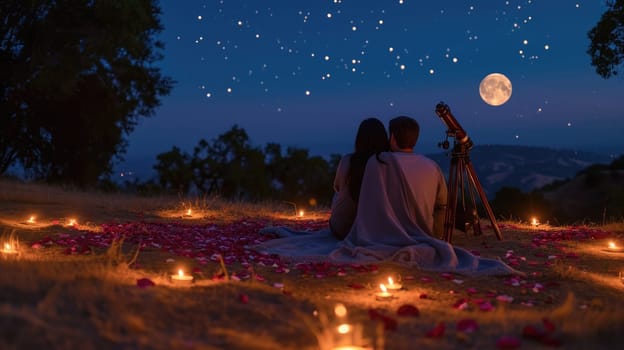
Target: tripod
(462, 179)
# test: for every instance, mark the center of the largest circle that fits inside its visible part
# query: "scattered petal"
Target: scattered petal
(467, 325)
(508, 342)
(388, 322)
(355, 286)
(145, 282)
(408, 310)
(437, 331)
(243, 298)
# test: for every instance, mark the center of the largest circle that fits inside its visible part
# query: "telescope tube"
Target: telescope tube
(454, 129)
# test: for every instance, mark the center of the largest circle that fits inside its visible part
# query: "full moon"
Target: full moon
(495, 89)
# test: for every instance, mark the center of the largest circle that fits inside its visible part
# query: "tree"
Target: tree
(300, 178)
(607, 40)
(230, 166)
(75, 78)
(174, 171)
(511, 202)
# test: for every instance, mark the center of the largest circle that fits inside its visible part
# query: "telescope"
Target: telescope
(454, 129)
(462, 179)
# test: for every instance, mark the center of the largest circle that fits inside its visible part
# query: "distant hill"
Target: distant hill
(595, 194)
(523, 167)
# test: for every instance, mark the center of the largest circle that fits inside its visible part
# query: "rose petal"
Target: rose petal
(388, 322)
(437, 331)
(533, 332)
(408, 310)
(243, 298)
(508, 342)
(145, 282)
(355, 286)
(467, 325)
(550, 327)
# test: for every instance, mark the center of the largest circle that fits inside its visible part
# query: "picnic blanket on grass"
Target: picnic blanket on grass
(385, 229)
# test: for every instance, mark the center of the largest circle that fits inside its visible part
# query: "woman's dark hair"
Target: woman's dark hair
(371, 138)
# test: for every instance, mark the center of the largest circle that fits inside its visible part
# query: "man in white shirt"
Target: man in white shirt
(425, 181)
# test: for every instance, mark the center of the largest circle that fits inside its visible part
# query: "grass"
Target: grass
(91, 301)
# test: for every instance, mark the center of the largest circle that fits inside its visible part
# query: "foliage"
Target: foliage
(513, 203)
(75, 78)
(607, 40)
(231, 167)
(174, 171)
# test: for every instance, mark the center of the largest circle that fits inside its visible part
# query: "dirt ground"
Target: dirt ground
(86, 287)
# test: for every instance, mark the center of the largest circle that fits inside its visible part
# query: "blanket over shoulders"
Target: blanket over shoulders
(385, 229)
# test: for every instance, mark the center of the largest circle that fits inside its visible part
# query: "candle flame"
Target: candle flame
(7, 246)
(383, 288)
(31, 219)
(340, 310)
(390, 281)
(344, 328)
(72, 222)
(180, 273)
(612, 245)
(301, 213)
(189, 212)
(534, 222)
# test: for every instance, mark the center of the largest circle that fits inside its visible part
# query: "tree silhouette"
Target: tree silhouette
(230, 166)
(75, 78)
(174, 171)
(607, 40)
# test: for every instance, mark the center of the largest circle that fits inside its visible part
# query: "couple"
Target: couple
(424, 180)
(389, 205)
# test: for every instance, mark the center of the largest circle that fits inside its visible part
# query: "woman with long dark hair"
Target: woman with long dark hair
(371, 139)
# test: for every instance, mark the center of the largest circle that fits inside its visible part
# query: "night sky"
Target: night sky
(305, 73)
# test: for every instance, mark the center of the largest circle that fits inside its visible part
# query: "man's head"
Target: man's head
(404, 133)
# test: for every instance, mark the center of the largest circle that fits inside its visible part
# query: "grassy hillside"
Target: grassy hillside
(83, 286)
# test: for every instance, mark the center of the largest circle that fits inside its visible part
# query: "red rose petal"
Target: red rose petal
(437, 331)
(388, 322)
(408, 310)
(356, 286)
(467, 325)
(533, 332)
(550, 327)
(243, 298)
(145, 282)
(508, 342)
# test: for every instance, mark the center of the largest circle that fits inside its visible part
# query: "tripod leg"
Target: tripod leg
(451, 202)
(474, 214)
(477, 185)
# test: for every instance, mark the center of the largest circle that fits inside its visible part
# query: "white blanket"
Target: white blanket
(385, 229)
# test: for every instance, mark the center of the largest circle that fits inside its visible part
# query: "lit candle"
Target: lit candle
(189, 212)
(181, 278)
(613, 247)
(301, 213)
(72, 222)
(384, 294)
(344, 328)
(31, 219)
(534, 222)
(9, 248)
(393, 286)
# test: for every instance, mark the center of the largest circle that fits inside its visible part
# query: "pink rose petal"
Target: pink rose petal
(144, 283)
